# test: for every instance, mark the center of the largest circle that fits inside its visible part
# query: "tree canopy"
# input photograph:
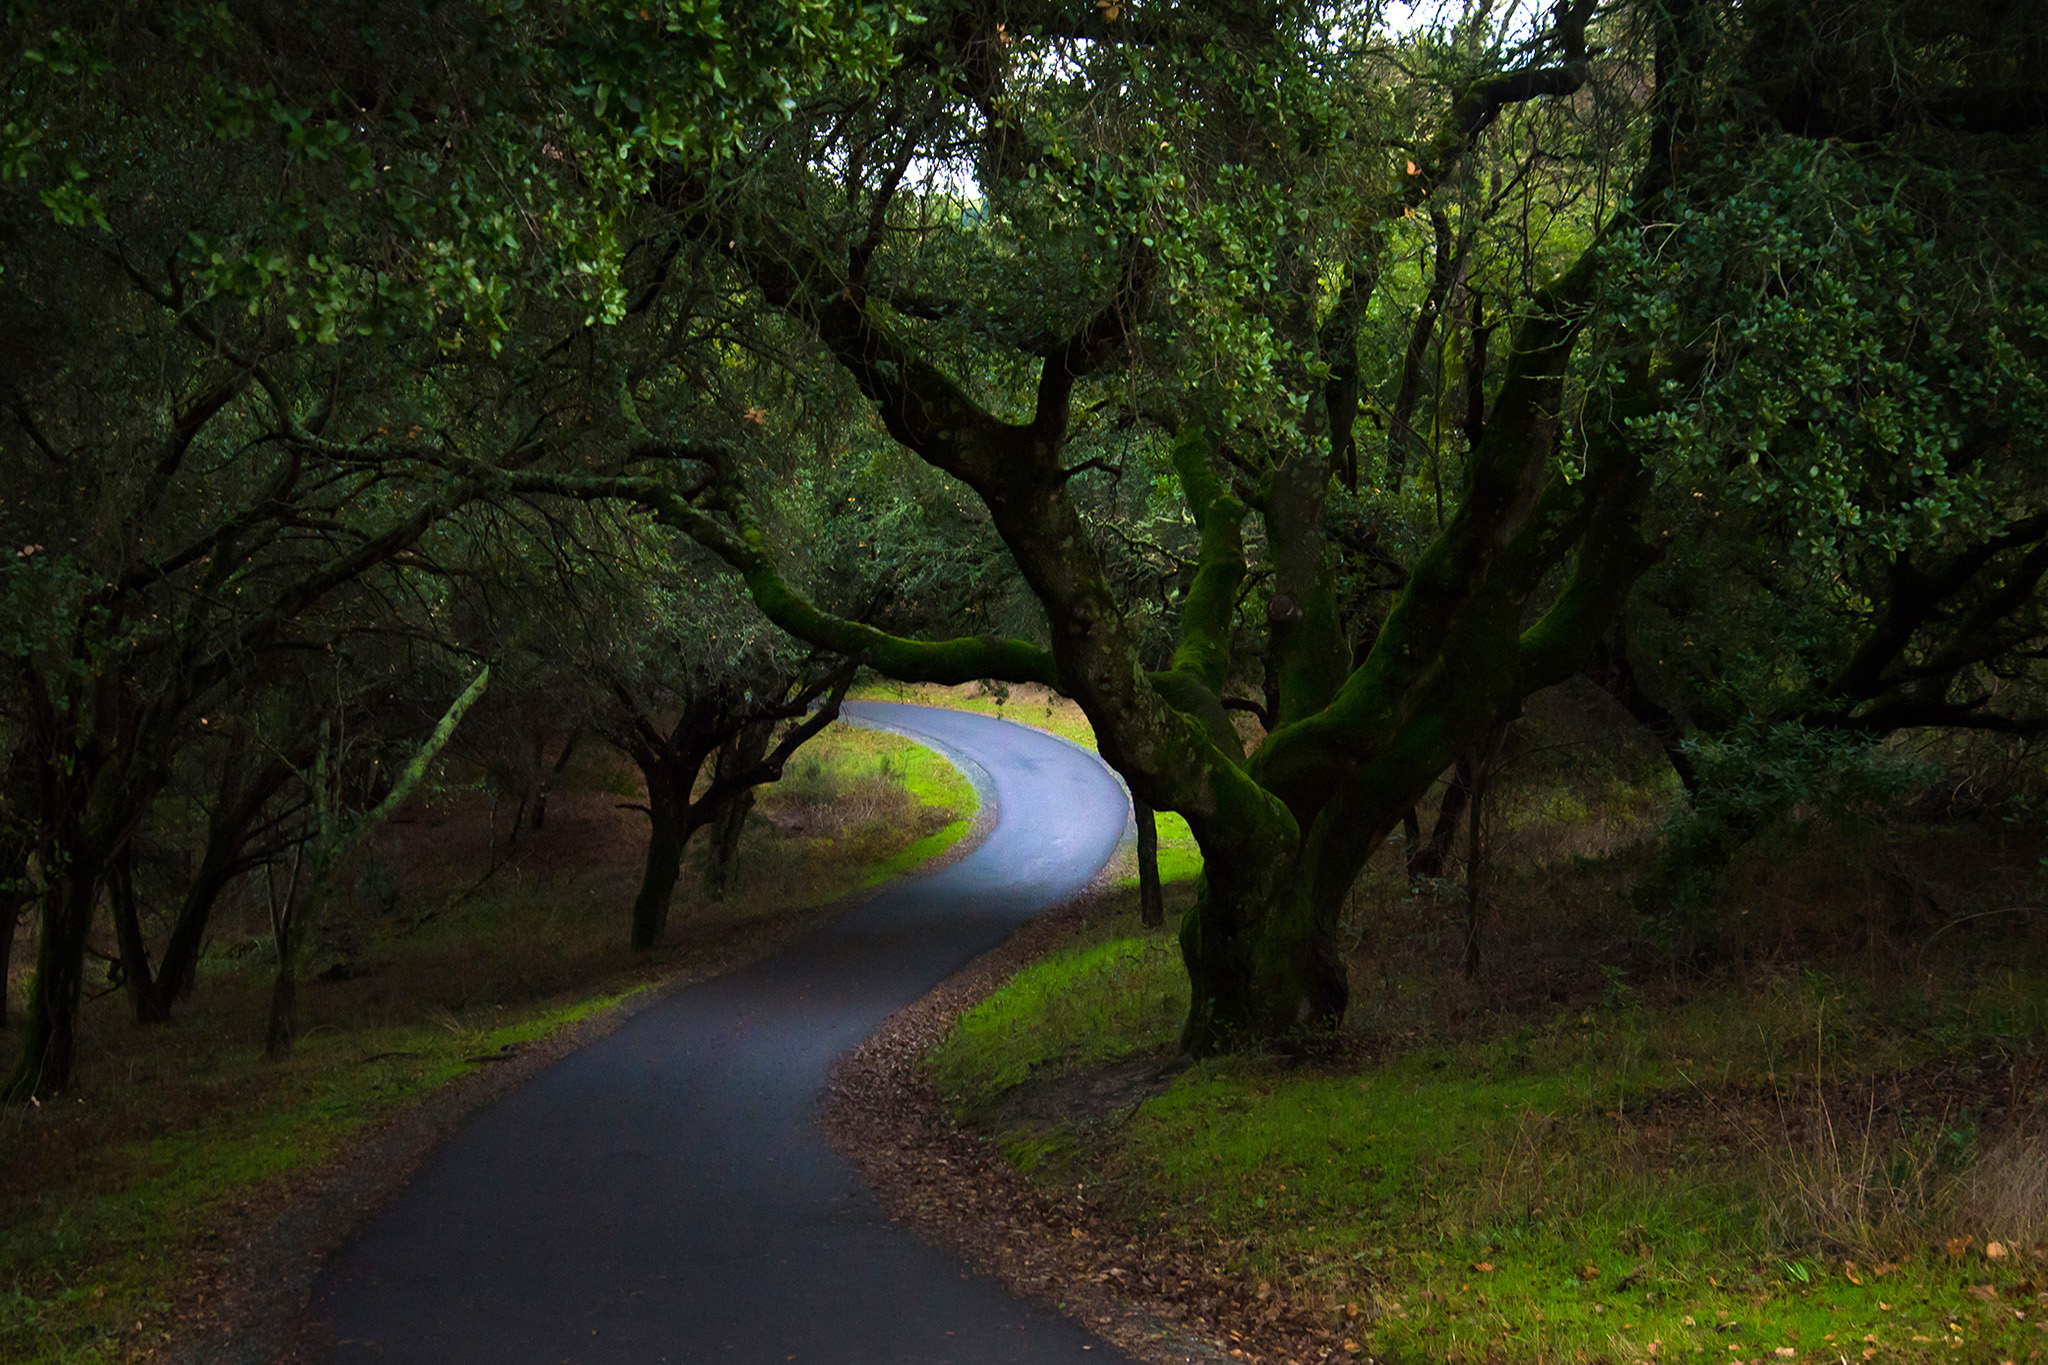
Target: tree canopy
(1298, 395)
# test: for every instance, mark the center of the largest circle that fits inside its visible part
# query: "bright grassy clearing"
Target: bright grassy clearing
(1696, 1179)
(1179, 858)
(934, 783)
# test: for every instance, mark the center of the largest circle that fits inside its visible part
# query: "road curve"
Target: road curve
(664, 1194)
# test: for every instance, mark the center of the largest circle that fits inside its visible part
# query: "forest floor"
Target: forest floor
(177, 1200)
(1825, 1140)
(1823, 1136)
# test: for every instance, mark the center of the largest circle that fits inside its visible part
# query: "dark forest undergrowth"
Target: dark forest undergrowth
(123, 1202)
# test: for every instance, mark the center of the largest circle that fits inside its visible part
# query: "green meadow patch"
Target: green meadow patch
(1776, 1169)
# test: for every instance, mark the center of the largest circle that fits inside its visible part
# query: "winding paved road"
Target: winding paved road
(664, 1194)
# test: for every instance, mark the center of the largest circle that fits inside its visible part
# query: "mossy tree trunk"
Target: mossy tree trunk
(1531, 563)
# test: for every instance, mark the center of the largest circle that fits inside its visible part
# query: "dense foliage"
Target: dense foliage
(1298, 396)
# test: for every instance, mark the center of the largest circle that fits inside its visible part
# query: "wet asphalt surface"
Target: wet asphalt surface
(665, 1195)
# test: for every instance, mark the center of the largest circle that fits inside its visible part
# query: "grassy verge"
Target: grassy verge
(938, 788)
(122, 1200)
(1819, 1164)
(1179, 859)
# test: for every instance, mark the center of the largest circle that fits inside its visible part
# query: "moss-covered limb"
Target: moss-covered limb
(1187, 694)
(1338, 342)
(1306, 638)
(1210, 607)
(1611, 555)
(1308, 757)
(1166, 755)
(940, 661)
(745, 547)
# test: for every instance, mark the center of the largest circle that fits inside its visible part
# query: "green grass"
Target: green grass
(1088, 1002)
(1614, 1183)
(874, 770)
(936, 785)
(1179, 858)
(1061, 718)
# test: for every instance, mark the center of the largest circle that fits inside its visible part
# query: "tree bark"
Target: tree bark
(1151, 898)
(741, 754)
(179, 968)
(137, 980)
(547, 781)
(50, 1023)
(14, 899)
(283, 1032)
(1427, 860)
(1487, 757)
(668, 814)
(10, 921)
(728, 823)
(1260, 966)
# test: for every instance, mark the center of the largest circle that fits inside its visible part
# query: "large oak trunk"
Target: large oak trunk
(1259, 965)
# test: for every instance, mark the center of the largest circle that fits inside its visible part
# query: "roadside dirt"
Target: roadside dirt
(1156, 1297)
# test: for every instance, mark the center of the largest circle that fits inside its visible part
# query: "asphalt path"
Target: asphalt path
(664, 1194)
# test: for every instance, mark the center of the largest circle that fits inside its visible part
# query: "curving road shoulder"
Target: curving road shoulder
(664, 1194)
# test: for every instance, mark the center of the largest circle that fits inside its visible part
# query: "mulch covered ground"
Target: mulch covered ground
(1157, 1298)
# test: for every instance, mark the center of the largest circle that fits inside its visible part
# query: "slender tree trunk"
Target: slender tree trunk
(283, 1033)
(1151, 899)
(137, 980)
(50, 1025)
(1486, 756)
(667, 812)
(554, 773)
(728, 823)
(180, 966)
(15, 898)
(293, 921)
(738, 755)
(1428, 859)
(10, 920)
(287, 928)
